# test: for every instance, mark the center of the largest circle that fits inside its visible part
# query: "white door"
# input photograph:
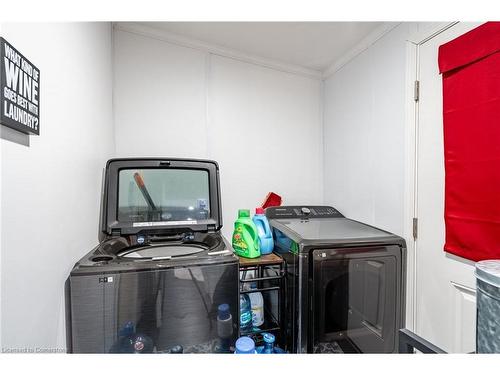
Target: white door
(445, 284)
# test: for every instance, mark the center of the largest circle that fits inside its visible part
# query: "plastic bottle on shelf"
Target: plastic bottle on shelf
(269, 347)
(245, 345)
(268, 343)
(245, 238)
(245, 312)
(257, 306)
(264, 231)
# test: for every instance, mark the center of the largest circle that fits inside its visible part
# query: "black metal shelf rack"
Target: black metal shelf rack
(269, 274)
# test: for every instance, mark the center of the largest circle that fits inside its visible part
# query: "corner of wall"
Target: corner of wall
(322, 127)
(360, 47)
(113, 79)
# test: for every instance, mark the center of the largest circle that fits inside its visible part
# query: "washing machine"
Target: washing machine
(345, 281)
(162, 277)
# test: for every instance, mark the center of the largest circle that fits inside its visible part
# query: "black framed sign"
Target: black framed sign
(20, 95)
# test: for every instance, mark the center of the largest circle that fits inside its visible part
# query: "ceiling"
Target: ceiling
(313, 45)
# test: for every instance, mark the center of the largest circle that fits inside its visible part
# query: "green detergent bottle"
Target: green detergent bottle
(245, 236)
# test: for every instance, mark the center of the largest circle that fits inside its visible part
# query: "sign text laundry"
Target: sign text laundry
(20, 95)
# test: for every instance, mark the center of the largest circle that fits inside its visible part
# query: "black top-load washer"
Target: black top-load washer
(162, 277)
(345, 281)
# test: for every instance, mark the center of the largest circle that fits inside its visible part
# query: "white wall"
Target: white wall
(364, 133)
(159, 98)
(50, 190)
(262, 125)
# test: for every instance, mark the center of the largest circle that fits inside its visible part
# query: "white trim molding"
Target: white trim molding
(172, 38)
(428, 30)
(409, 184)
(363, 45)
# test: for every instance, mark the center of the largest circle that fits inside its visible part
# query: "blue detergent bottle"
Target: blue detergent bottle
(263, 231)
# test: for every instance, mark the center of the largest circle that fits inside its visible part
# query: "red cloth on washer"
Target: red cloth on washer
(470, 65)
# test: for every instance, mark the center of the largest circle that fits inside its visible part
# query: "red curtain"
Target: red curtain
(470, 67)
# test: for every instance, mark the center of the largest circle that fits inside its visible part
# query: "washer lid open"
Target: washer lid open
(160, 196)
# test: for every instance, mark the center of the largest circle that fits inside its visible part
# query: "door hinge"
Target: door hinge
(415, 228)
(416, 91)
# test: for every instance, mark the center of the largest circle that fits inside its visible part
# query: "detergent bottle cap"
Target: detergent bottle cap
(259, 211)
(243, 213)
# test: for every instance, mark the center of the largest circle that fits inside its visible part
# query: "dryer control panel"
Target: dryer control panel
(302, 212)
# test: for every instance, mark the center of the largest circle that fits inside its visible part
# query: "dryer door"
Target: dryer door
(357, 299)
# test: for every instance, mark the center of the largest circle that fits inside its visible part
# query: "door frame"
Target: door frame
(419, 34)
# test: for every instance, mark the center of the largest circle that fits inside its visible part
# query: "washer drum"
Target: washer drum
(488, 306)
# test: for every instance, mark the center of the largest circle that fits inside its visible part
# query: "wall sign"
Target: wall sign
(20, 95)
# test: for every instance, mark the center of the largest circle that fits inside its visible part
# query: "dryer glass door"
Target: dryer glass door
(356, 300)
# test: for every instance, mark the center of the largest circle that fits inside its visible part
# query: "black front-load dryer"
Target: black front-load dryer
(345, 281)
